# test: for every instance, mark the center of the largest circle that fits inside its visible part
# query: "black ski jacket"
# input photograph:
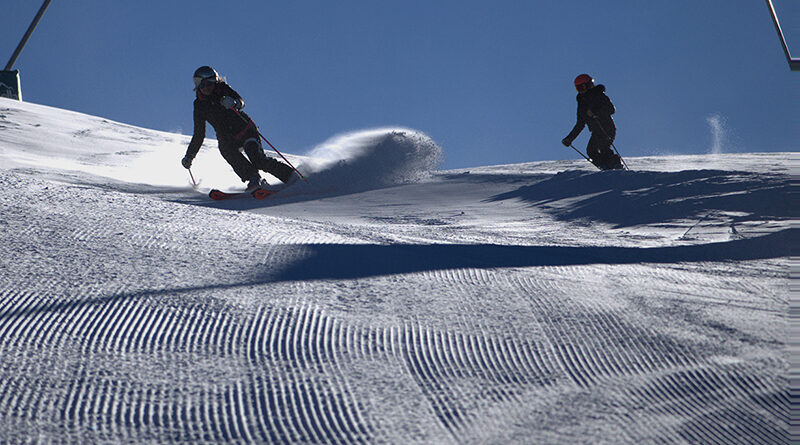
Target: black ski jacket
(230, 128)
(602, 124)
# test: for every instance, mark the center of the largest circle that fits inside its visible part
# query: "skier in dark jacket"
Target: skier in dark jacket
(595, 110)
(218, 104)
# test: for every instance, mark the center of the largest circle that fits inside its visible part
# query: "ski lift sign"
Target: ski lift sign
(9, 85)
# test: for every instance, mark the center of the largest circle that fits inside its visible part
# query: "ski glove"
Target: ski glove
(566, 141)
(229, 102)
(186, 162)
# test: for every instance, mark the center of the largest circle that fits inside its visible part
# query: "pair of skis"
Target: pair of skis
(219, 195)
(259, 193)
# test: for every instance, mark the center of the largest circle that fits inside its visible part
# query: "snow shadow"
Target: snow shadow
(354, 261)
(630, 198)
(348, 261)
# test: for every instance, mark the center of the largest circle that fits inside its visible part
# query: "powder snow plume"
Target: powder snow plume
(717, 125)
(370, 159)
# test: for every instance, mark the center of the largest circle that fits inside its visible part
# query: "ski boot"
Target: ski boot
(256, 182)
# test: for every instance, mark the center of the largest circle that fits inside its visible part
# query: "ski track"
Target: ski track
(97, 351)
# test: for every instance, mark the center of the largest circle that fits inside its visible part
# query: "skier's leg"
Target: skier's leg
(614, 161)
(254, 151)
(593, 150)
(243, 168)
(603, 157)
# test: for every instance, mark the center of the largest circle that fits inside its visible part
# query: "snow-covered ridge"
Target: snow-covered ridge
(385, 301)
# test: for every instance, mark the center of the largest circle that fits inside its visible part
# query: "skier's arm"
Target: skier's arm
(576, 130)
(199, 135)
(606, 107)
(601, 107)
(229, 92)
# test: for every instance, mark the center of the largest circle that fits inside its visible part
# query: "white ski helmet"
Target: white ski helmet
(204, 73)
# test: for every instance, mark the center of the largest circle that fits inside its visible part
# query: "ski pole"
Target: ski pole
(268, 143)
(611, 141)
(579, 152)
(284, 157)
(194, 183)
(584, 156)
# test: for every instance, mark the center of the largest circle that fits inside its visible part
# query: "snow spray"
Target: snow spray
(369, 159)
(717, 124)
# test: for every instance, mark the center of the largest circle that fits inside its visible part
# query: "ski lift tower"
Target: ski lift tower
(794, 63)
(9, 80)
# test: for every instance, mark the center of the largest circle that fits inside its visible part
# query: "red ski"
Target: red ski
(259, 193)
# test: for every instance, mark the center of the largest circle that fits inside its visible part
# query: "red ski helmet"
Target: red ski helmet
(583, 82)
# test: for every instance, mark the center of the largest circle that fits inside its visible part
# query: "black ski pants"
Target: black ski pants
(599, 149)
(246, 167)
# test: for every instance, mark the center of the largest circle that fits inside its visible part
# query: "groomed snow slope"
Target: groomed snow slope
(385, 301)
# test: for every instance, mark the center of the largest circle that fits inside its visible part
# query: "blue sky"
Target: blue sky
(490, 81)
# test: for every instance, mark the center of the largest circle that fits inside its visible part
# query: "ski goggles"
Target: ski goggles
(583, 87)
(206, 82)
(200, 83)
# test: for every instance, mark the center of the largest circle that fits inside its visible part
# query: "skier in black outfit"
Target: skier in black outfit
(218, 104)
(595, 110)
